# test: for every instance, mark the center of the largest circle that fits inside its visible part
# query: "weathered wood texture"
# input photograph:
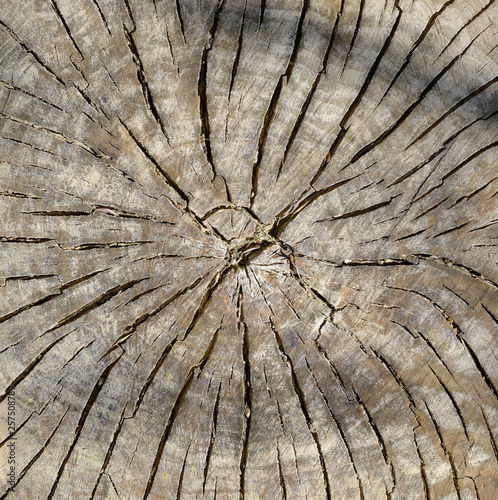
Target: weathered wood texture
(249, 248)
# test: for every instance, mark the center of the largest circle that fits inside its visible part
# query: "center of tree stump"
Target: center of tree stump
(241, 252)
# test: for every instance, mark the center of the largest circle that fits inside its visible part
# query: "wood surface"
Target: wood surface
(248, 249)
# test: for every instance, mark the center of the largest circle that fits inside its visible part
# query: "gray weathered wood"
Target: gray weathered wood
(248, 248)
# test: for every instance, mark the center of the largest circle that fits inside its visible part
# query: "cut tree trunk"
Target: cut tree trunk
(249, 249)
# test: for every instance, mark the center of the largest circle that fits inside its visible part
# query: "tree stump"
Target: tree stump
(249, 249)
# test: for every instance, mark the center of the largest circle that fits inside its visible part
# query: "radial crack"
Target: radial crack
(84, 415)
(343, 125)
(59, 15)
(380, 440)
(355, 34)
(419, 40)
(202, 92)
(270, 112)
(26, 49)
(447, 453)
(380, 139)
(93, 304)
(211, 440)
(242, 327)
(149, 101)
(302, 403)
(341, 432)
(175, 410)
(311, 93)
(453, 402)
(32, 365)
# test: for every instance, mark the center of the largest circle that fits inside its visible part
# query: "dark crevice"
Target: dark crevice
(33, 96)
(114, 244)
(480, 368)
(102, 17)
(152, 376)
(130, 329)
(57, 135)
(447, 231)
(283, 218)
(411, 235)
(180, 481)
(280, 473)
(108, 454)
(23, 239)
(459, 267)
(458, 167)
(397, 378)
(492, 439)
(154, 162)
(262, 12)
(82, 348)
(455, 294)
(93, 304)
(242, 327)
(334, 370)
(431, 347)
(38, 454)
(180, 19)
(415, 169)
(460, 336)
(460, 103)
(18, 141)
(425, 212)
(320, 298)
(363, 211)
(87, 99)
(237, 59)
(202, 92)
(492, 223)
(423, 474)
(116, 212)
(150, 290)
(428, 343)
(13, 194)
(49, 297)
(26, 420)
(28, 278)
(32, 365)
(280, 416)
(490, 314)
(206, 298)
(474, 193)
(370, 263)
(58, 213)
